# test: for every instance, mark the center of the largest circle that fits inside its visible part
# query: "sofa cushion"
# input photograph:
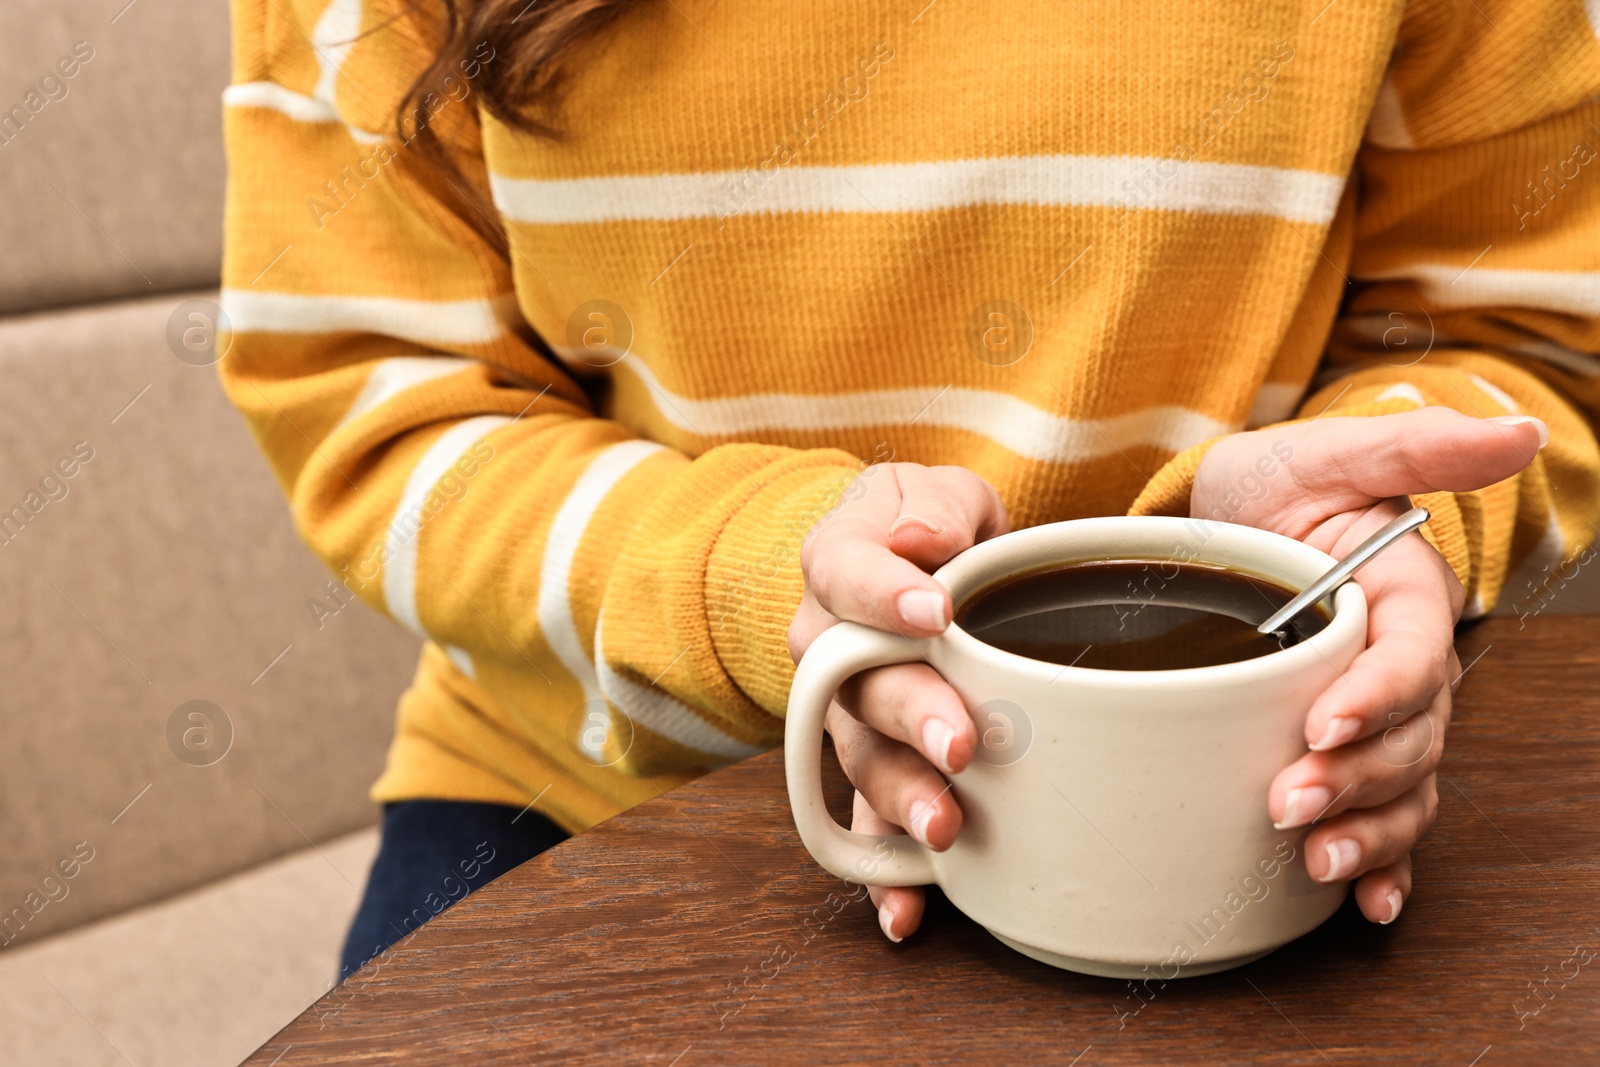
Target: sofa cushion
(200, 980)
(111, 166)
(163, 571)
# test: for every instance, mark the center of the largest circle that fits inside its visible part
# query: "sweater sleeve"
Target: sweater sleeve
(450, 471)
(1476, 275)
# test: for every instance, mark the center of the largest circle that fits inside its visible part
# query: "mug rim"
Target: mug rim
(983, 565)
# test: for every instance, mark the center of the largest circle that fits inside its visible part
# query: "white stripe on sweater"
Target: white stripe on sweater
(1018, 425)
(297, 106)
(1275, 402)
(556, 623)
(332, 38)
(1451, 286)
(419, 321)
(395, 375)
(1497, 394)
(1125, 182)
(1403, 391)
(411, 515)
(275, 97)
(664, 714)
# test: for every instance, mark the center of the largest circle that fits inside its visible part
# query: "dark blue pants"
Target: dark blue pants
(432, 854)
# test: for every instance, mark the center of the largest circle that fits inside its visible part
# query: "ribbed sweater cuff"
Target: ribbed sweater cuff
(1169, 491)
(753, 579)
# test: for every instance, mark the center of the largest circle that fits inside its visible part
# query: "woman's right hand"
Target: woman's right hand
(897, 730)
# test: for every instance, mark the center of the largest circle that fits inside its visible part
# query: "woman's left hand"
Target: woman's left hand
(1377, 733)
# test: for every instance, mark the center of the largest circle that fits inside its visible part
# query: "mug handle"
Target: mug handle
(842, 650)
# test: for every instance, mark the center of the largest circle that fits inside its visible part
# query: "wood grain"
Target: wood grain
(694, 929)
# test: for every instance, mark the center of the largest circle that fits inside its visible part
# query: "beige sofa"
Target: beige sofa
(207, 896)
(206, 903)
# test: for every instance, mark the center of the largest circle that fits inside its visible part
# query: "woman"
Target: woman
(619, 347)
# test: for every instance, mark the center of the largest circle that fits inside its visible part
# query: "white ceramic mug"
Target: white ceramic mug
(1115, 821)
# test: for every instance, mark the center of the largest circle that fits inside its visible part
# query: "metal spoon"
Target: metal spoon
(1342, 570)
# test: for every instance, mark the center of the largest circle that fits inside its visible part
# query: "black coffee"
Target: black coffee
(1133, 615)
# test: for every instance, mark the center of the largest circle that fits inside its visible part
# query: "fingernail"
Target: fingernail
(1523, 420)
(922, 608)
(1395, 902)
(1303, 804)
(1343, 855)
(936, 738)
(1341, 728)
(927, 524)
(921, 815)
(886, 921)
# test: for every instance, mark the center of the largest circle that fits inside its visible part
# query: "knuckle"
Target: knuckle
(1435, 754)
(1412, 457)
(1426, 805)
(815, 547)
(1455, 592)
(849, 752)
(899, 694)
(1393, 840)
(1438, 658)
(1430, 802)
(808, 622)
(821, 577)
(845, 751)
(1430, 665)
(1430, 762)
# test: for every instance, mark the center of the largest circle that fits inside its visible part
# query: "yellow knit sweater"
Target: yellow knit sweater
(1063, 245)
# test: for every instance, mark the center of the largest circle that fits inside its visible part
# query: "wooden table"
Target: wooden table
(695, 930)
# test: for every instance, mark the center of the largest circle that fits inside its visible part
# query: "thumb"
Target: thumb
(1339, 464)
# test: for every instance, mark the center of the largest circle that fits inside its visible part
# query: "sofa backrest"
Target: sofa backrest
(180, 696)
(111, 167)
(147, 557)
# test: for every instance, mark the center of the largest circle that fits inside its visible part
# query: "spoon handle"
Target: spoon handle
(1344, 569)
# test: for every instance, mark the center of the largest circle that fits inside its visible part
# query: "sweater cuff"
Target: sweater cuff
(1169, 491)
(753, 579)
(1446, 531)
